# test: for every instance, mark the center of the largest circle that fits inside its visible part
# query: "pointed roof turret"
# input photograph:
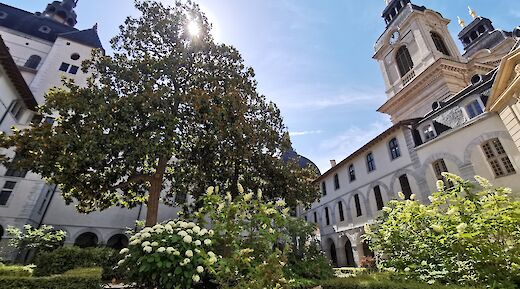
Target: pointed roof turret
(62, 12)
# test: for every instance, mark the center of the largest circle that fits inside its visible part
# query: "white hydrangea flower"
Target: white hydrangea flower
(228, 197)
(189, 253)
(440, 185)
(248, 197)
(120, 262)
(191, 225)
(401, 195)
(158, 226)
(145, 244)
(146, 235)
(210, 191)
(170, 250)
(412, 197)
(124, 251)
(259, 194)
(200, 269)
(207, 242)
(240, 188)
(211, 254)
(168, 227)
(135, 242)
(155, 244)
(197, 243)
(176, 253)
(196, 229)
(187, 239)
(182, 233)
(147, 249)
(280, 203)
(203, 232)
(211, 233)
(183, 224)
(461, 228)
(195, 278)
(161, 250)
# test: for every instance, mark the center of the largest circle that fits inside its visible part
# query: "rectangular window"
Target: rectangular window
(17, 110)
(13, 172)
(336, 181)
(358, 205)
(429, 132)
(395, 152)
(315, 217)
(327, 218)
(64, 67)
(474, 109)
(6, 192)
(305, 218)
(324, 188)
(498, 158)
(45, 200)
(73, 69)
(379, 198)
(341, 214)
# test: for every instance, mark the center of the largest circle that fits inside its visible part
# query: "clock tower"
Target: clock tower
(419, 60)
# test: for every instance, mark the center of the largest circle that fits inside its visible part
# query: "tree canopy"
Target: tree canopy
(170, 112)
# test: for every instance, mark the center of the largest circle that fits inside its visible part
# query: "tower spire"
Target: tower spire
(472, 13)
(461, 22)
(62, 12)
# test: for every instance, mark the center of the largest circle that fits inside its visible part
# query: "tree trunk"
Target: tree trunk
(154, 194)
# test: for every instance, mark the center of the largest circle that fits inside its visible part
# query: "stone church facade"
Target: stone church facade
(451, 112)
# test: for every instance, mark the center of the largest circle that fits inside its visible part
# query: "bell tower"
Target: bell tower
(62, 12)
(418, 58)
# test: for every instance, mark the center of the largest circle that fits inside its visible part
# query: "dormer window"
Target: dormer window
(474, 109)
(429, 132)
(439, 43)
(404, 61)
(3, 15)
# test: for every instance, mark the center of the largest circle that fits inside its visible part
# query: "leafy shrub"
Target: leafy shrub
(463, 237)
(345, 272)
(172, 255)
(45, 238)
(302, 283)
(85, 272)
(16, 271)
(379, 281)
(78, 279)
(306, 259)
(68, 258)
(367, 262)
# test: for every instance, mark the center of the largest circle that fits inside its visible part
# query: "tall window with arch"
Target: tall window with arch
(33, 62)
(371, 163)
(404, 60)
(327, 217)
(341, 213)
(351, 173)
(379, 198)
(439, 43)
(497, 158)
(336, 182)
(357, 202)
(393, 145)
(405, 186)
(439, 167)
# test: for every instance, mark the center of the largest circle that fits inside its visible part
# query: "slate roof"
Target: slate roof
(302, 161)
(32, 23)
(7, 62)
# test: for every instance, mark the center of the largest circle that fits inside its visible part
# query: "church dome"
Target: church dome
(302, 161)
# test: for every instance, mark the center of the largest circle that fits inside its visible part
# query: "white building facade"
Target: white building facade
(437, 98)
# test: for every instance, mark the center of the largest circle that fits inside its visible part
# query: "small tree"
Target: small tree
(169, 112)
(464, 236)
(45, 238)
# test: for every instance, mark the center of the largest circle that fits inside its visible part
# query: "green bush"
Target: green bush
(15, 271)
(467, 235)
(68, 258)
(54, 282)
(379, 281)
(302, 284)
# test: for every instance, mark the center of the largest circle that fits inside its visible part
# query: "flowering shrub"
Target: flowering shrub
(175, 254)
(45, 238)
(462, 237)
(251, 235)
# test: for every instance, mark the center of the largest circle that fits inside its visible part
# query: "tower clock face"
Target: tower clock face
(394, 38)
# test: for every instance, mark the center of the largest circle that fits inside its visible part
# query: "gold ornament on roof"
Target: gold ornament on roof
(472, 13)
(461, 22)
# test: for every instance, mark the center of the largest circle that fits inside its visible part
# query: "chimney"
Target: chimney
(333, 163)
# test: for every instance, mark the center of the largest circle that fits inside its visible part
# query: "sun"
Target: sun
(194, 28)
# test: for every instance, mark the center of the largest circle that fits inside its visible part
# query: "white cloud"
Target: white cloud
(302, 133)
(345, 143)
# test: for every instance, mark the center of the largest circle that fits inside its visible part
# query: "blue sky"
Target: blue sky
(313, 58)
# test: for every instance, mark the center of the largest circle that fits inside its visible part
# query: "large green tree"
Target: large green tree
(170, 112)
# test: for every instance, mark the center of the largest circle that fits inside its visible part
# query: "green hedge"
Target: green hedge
(68, 258)
(15, 271)
(373, 282)
(89, 278)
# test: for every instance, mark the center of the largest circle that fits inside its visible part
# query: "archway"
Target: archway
(350, 254)
(86, 240)
(118, 242)
(333, 255)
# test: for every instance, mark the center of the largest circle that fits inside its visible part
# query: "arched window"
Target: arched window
(497, 158)
(352, 173)
(86, 240)
(327, 218)
(118, 242)
(371, 163)
(405, 186)
(404, 60)
(366, 250)
(333, 255)
(379, 198)
(341, 213)
(33, 61)
(394, 148)
(324, 188)
(336, 182)
(359, 213)
(439, 44)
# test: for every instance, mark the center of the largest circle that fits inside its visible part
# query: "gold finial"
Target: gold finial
(461, 22)
(472, 13)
